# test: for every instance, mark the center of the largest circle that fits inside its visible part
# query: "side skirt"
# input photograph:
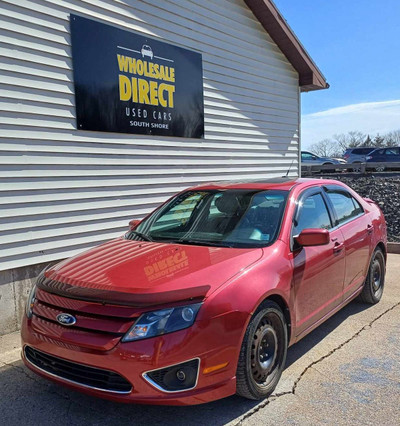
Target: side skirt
(329, 314)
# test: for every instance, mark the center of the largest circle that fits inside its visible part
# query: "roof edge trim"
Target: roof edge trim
(310, 76)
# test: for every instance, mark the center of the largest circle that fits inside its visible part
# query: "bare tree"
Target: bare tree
(340, 142)
(379, 141)
(351, 139)
(326, 148)
(392, 138)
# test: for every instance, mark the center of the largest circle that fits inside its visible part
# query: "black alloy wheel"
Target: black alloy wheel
(263, 353)
(374, 283)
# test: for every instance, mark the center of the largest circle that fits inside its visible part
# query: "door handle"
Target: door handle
(369, 229)
(338, 247)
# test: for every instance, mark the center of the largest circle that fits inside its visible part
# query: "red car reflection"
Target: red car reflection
(201, 299)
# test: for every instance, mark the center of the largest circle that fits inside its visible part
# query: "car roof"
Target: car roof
(361, 147)
(282, 183)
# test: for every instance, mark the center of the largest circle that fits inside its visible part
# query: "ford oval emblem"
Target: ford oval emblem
(66, 319)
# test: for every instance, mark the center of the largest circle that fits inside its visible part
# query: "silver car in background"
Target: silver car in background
(310, 159)
(357, 155)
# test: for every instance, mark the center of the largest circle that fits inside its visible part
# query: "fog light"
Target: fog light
(175, 378)
(181, 375)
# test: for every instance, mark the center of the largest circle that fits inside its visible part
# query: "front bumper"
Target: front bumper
(214, 342)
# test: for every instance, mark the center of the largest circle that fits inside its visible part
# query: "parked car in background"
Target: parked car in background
(201, 299)
(384, 155)
(340, 160)
(310, 159)
(357, 155)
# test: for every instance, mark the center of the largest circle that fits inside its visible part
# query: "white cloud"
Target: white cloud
(370, 117)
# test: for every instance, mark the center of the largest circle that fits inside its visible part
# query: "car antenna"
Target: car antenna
(291, 164)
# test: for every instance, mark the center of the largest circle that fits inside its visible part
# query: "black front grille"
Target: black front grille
(78, 373)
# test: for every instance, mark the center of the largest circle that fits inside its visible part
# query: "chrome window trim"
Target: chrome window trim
(158, 387)
(72, 381)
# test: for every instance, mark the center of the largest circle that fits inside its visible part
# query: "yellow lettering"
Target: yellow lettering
(123, 63)
(151, 69)
(134, 90)
(124, 88)
(156, 71)
(132, 66)
(153, 93)
(143, 91)
(170, 89)
(139, 67)
(172, 75)
(162, 72)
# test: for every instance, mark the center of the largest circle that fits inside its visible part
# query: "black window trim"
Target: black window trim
(340, 189)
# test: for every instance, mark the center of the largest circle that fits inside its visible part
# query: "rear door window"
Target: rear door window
(345, 205)
(392, 151)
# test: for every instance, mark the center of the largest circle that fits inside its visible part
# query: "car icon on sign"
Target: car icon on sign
(147, 51)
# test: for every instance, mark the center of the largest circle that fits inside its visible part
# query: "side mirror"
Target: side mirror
(313, 237)
(133, 224)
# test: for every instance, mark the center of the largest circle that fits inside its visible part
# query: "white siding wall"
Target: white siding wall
(63, 190)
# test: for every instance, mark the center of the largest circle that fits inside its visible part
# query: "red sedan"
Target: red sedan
(201, 299)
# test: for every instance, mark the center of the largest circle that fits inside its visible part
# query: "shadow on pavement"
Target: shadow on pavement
(299, 349)
(28, 399)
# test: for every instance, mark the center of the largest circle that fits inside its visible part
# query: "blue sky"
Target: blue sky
(356, 44)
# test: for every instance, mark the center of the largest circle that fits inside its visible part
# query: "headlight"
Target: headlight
(32, 295)
(30, 301)
(160, 322)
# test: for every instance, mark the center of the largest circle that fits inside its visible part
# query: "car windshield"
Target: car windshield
(223, 218)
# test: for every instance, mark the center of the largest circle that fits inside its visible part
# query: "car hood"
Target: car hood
(146, 273)
(333, 160)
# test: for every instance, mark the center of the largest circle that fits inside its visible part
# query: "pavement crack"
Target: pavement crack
(365, 327)
(261, 406)
(275, 396)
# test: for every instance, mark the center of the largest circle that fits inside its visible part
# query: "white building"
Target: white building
(64, 189)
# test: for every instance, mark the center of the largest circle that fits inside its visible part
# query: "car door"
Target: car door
(318, 271)
(356, 228)
(392, 155)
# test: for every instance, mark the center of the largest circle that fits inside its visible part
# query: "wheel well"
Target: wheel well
(280, 301)
(383, 248)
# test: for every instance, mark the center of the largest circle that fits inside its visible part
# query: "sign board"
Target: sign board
(129, 83)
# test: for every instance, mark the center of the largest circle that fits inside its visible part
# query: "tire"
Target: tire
(263, 353)
(357, 169)
(374, 283)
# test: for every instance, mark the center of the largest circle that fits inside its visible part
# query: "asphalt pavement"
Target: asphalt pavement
(346, 372)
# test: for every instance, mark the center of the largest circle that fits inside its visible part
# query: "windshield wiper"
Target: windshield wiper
(204, 243)
(140, 235)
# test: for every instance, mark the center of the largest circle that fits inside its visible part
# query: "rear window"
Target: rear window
(362, 151)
